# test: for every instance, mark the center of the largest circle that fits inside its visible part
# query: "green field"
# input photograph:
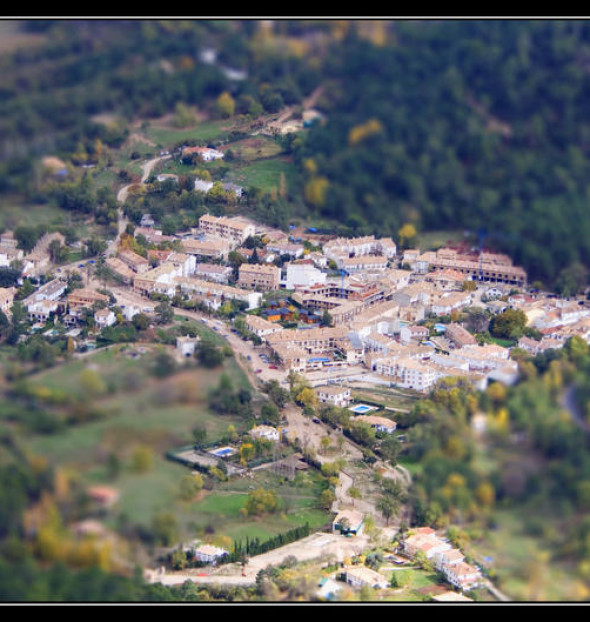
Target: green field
(155, 416)
(265, 174)
(13, 214)
(139, 411)
(432, 240)
(167, 137)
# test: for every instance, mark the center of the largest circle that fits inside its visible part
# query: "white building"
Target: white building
(462, 575)
(360, 576)
(380, 424)
(266, 432)
(208, 553)
(304, 274)
(186, 345)
(334, 395)
(412, 333)
(104, 317)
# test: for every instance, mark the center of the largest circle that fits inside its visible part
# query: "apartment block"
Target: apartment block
(260, 277)
(231, 229)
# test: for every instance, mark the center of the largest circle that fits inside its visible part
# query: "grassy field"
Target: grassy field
(165, 136)
(432, 240)
(140, 411)
(221, 509)
(385, 397)
(155, 416)
(13, 214)
(265, 174)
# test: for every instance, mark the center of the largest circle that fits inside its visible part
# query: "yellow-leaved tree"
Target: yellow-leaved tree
(226, 104)
(363, 131)
(315, 191)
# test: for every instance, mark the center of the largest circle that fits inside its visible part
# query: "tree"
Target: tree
(164, 365)
(190, 485)
(572, 280)
(164, 313)
(57, 253)
(199, 434)
(261, 501)
(308, 398)
(270, 413)
(354, 493)
(509, 324)
(165, 528)
(92, 383)
(388, 506)
(277, 394)
(326, 318)
(26, 237)
(142, 459)
(141, 321)
(326, 499)
(406, 234)
(226, 105)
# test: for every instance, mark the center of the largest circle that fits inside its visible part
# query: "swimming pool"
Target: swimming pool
(222, 452)
(362, 408)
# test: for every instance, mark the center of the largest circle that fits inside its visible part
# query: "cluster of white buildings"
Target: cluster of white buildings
(445, 558)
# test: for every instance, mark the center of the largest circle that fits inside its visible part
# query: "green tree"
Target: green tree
(509, 324)
(165, 528)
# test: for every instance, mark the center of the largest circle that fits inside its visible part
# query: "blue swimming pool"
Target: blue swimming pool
(222, 451)
(361, 408)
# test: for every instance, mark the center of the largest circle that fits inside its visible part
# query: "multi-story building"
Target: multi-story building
(363, 263)
(408, 373)
(160, 280)
(484, 266)
(84, 297)
(462, 575)
(459, 336)
(303, 273)
(311, 340)
(213, 272)
(120, 269)
(206, 250)
(260, 277)
(233, 230)
(104, 317)
(355, 247)
(215, 293)
(413, 333)
(261, 327)
(334, 395)
(135, 261)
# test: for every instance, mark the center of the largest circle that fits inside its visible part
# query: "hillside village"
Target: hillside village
(329, 309)
(347, 307)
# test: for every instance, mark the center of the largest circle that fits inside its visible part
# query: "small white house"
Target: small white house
(334, 395)
(380, 424)
(265, 432)
(209, 554)
(104, 317)
(186, 345)
(412, 333)
(361, 576)
(462, 575)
